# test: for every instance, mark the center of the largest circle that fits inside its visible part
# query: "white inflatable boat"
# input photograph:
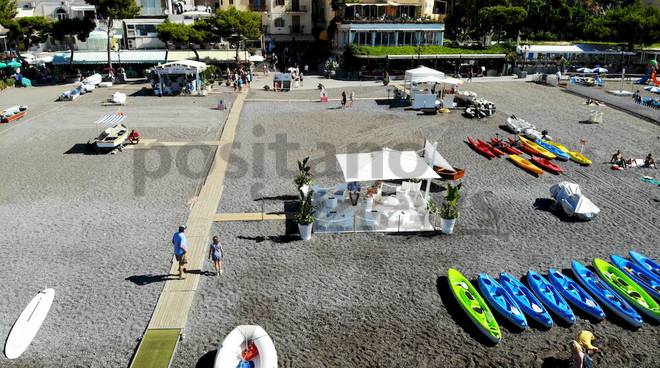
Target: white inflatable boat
(241, 343)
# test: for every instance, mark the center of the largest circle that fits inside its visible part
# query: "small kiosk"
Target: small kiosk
(178, 77)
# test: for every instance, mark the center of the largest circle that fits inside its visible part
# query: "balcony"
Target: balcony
(389, 19)
(296, 29)
(296, 9)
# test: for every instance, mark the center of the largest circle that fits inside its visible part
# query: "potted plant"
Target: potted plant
(305, 216)
(448, 211)
(331, 68)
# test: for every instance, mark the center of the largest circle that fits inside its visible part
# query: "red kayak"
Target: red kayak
(546, 165)
(480, 148)
(526, 148)
(506, 147)
(495, 150)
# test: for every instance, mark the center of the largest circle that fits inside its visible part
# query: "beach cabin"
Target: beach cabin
(179, 77)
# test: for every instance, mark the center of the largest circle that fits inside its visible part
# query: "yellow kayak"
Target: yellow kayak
(526, 165)
(574, 155)
(542, 151)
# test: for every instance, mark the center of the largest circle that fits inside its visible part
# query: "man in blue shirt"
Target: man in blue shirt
(180, 244)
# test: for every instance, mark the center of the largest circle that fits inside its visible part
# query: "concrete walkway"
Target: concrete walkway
(175, 301)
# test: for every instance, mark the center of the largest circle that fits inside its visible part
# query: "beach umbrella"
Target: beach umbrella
(584, 70)
(652, 89)
(599, 70)
(13, 64)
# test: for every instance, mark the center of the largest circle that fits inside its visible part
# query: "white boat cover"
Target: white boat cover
(93, 79)
(229, 354)
(518, 125)
(118, 98)
(572, 201)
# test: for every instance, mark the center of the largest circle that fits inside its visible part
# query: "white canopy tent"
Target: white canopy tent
(421, 75)
(386, 164)
(181, 67)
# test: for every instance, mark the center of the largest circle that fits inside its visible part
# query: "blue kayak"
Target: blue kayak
(638, 274)
(575, 294)
(559, 153)
(525, 299)
(647, 263)
(605, 295)
(550, 296)
(501, 300)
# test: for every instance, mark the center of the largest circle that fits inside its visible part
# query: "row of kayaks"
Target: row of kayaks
(627, 288)
(541, 152)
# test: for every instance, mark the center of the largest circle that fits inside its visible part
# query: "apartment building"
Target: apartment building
(391, 23)
(54, 9)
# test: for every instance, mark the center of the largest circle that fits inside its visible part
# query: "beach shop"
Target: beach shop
(394, 201)
(178, 77)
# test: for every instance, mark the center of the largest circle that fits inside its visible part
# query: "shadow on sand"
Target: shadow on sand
(206, 360)
(551, 206)
(142, 280)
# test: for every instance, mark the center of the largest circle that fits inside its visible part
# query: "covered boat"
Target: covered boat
(114, 136)
(93, 79)
(572, 201)
(13, 113)
(517, 125)
(71, 94)
(246, 343)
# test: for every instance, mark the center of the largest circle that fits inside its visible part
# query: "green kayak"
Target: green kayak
(625, 286)
(474, 305)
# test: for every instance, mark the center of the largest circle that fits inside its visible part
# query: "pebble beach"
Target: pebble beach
(97, 228)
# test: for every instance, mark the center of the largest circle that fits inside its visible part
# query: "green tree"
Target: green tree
(26, 31)
(7, 11)
(184, 34)
(233, 25)
(503, 18)
(68, 30)
(633, 24)
(112, 10)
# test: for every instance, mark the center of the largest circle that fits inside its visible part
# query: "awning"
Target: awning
(101, 57)
(111, 119)
(181, 67)
(386, 164)
(83, 8)
(215, 55)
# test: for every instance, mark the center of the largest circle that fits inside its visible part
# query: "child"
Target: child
(215, 254)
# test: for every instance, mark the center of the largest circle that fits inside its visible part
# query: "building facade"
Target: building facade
(391, 23)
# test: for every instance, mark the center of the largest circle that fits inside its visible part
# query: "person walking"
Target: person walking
(343, 99)
(180, 244)
(351, 96)
(470, 75)
(216, 253)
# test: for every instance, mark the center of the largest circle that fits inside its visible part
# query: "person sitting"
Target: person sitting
(649, 161)
(618, 159)
(545, 136)
(134, 137)
(354, 189)
(636, 97)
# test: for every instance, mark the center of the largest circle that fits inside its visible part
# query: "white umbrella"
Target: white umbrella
(652, 89)
(599, 70)
(256, 58)
(584, 70)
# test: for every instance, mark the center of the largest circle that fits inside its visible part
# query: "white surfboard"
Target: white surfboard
(28, 323)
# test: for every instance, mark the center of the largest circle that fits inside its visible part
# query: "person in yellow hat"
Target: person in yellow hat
(585, 339)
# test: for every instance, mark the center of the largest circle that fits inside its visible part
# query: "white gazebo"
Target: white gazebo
(421, 75)
(175, 75)
(394, 209)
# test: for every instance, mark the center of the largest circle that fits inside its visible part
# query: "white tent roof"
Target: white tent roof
(421, 73)
(386, 164)
(177, 67)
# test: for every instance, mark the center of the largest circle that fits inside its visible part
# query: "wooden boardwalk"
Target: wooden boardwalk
(175, 301)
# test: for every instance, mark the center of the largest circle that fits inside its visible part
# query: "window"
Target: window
(279, 3)
(60, 14)
(439, 7)
(279, 22)
(231, 2)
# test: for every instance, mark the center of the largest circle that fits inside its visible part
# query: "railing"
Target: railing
(389, 20)
(296, 29)
(296, 9)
